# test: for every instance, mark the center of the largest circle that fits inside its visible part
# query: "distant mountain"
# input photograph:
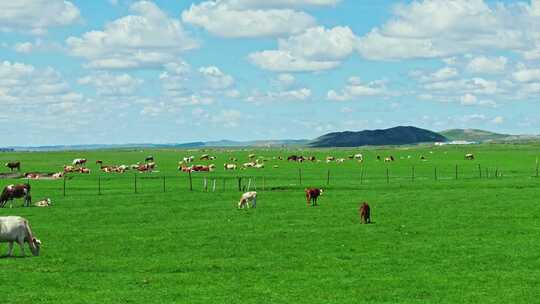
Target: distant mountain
(473, 135)
(393, 136)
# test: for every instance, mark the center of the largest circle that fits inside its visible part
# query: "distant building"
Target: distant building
(7, 150)
(456, 142)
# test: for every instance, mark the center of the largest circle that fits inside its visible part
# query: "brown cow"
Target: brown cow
(14, 165)
(311, 195)
(365, 213)
(16, 191)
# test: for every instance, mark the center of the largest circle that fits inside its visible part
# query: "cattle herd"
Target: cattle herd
(17, 229)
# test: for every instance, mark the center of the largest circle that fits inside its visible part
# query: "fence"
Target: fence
(272, 180)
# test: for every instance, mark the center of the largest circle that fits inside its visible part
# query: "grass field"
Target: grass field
(464, 240)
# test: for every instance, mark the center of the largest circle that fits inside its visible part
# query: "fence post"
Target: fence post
(328, 178)
(480, 170)
(412, 176)
(240, 184)
(164, 189)
(496, 172)
(387, 175)
(99, 184)
(436, 173)
(456, 171)
(300, 175)
(64, 185)
(214, 185)
(362, 175)
(249, 184)
(190, 181)
(205, 183)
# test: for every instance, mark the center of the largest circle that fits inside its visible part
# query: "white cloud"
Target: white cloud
(300, 94)
(355, 89)
(23, 47)
(223, 18)
(283, 61)
(439, 75)
(107, 84)
(149, 38)
(36, 16)
(498, 120)
(315, 49)
(473, 86)
(527, 75)
(215, 78)
(284, 80)
(487, 65)
(442, 28)
(264, 4)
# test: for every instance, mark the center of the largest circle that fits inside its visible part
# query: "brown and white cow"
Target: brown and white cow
(11, 192)
(469, 156)
(312, 194)
(365, 213)
(14, 165)
(79, 161)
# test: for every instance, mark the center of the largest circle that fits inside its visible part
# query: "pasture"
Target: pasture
(434, 238)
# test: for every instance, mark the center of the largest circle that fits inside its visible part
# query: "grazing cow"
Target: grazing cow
(469, 156)
(99, 162)
(292, 158)
(311, 158)
(32, 175)
(13, 165)
(248, 165)
(359, 157)
(229, 166)
(149, 158)
(246, 198)
(233, 159)
(422, 157)
(188, 159)
(365, 213)
(378, 157)
(259, 166)
(43, 203)
(389, 159)
(312, 194)
(330, 158)
(16, 191)
(79, 161)
(17, 229)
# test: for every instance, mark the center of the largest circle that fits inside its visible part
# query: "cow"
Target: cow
(251, 156)
(99, 162)
(230, 166)
(43, 203)
(17, 229)
(340, 160)
(149, 158)
(469, 156)
(58, 175)
(188, 159)
(311, 158)
(330, 159)
(365, 213)
(68, 169)
(378, 157)
(312, 194)
(292, 158)
(205, 157)
(246, 198)
(13, 165)
(16, 191)
(79, 161)
(389, 159)
(233, 159)
(84, 170)
(248, 165)
(358, 157)
(422, 157)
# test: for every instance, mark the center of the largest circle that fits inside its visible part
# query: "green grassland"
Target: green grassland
(464, 240)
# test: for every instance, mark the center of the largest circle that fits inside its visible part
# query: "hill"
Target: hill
(473, 135)
(393, 136)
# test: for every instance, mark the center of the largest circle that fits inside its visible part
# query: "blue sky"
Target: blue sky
(121, 71)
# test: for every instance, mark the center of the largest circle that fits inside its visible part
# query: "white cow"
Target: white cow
(17, 229)
(43, 203)
(359, 157)
(246, 197)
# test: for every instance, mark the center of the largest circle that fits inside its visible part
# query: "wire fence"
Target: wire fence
(274, 180)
